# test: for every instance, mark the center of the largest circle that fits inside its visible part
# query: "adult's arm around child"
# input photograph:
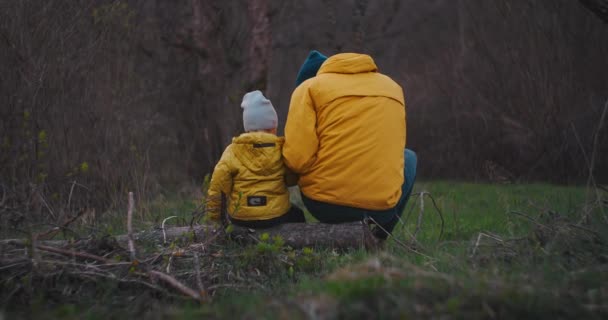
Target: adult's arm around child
(301, 141)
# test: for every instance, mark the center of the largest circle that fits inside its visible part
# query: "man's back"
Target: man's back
(353, 152)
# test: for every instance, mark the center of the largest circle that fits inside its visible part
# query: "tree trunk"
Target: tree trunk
(260, 44)
(296, 235)
(299, 235)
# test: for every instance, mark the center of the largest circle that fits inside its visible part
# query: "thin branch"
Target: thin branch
(113, 277)
(52, 232)
(168, 269)
(18, 263)
(399, 242)
(416, 242)
(47, 205)
(481, 234)
(590, 178)
(419, 221)
(438, 212)
(580, 145)
(197, 269)
(407, 217)
(162, 226)
(130, 227)
(531, 219)
(595, 142)
(70, 196)
(595, 233)
(71, 253)
(229, 285)
(175, 284)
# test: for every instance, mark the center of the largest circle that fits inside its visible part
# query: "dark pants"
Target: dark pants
(387, 219)
(293, 215)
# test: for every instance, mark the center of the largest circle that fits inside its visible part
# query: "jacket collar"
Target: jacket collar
(348, 63)
(257, 137)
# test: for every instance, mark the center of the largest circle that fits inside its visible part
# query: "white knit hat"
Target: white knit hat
(258, 112)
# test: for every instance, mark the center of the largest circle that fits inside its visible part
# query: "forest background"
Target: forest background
(103, 97)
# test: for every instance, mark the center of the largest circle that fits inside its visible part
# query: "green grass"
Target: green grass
(504, 278)
(468, 209)
(177, 206)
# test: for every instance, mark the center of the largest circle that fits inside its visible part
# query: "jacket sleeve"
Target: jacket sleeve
(221, 181)
(301, 141)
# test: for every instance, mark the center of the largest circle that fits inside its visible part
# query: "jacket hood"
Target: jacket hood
(259, 152)
(348, 63)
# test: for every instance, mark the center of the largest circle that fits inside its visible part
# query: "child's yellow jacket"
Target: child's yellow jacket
(252, 175)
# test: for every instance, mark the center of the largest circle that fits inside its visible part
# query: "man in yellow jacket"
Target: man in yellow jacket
(345, 137)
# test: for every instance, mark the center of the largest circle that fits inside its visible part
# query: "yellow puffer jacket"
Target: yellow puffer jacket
(345, 134)
(252, 175)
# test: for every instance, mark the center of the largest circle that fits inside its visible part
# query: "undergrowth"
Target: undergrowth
(476, 251)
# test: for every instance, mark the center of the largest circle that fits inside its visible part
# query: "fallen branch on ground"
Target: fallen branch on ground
(175, 284)
(296, 235)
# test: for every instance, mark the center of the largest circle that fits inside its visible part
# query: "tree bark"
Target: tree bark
(299, 235)
(260, 44)
(352, 235)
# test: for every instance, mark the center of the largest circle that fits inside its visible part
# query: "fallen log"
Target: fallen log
(299, 235)
(295, 235)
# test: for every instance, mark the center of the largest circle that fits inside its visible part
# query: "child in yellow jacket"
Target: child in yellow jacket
(251, 172)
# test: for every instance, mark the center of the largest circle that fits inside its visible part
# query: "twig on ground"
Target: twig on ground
(595, 233)
(419, 221)
(70, 196)
(49, 234)
(531, 219)
(162, 226)
(400, 242)
(228, 285)
(420, 197)
(197, 214)
(14, 264)
(35, 255)
(71, 253)
(46, 205)
(481, 234)
(416, 242)
(407, 217)
(197, 270)
(130, 227)
(439, 213)
(113, 277)
(168, 269)
(94, 266)
(175, 284)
